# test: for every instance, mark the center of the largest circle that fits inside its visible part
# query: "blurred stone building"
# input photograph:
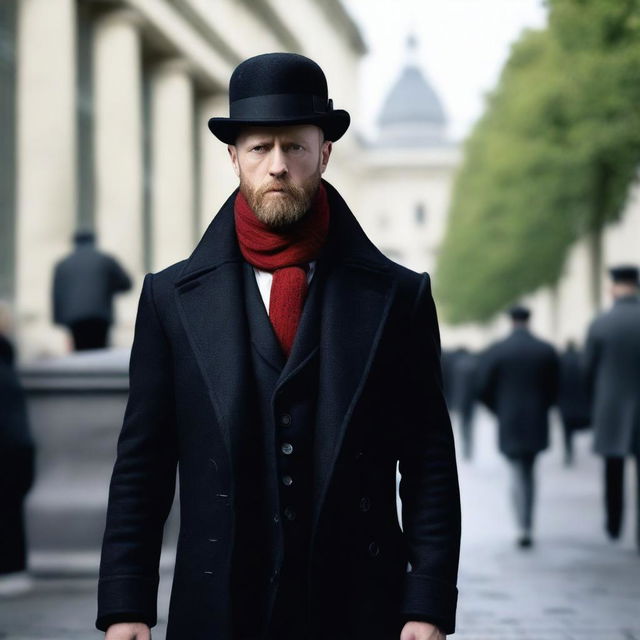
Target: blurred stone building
(406, 174)
(103, 111)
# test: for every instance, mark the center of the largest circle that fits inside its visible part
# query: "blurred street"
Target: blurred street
(573, 585)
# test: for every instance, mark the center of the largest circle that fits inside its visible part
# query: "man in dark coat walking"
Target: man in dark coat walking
(518, 382)
(612, 365)
(285, 368)
(84, 284)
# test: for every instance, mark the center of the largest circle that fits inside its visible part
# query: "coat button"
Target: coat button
(365, 504)
(289, 513)
(275, 575)
(276, 517)
(374, 549)
(287, 481)
(285, 419)
(359, 454)
(286, 448)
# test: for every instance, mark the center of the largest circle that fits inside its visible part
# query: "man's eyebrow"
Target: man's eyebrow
(258, 141)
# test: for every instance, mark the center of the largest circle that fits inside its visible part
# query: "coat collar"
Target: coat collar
(347, 241)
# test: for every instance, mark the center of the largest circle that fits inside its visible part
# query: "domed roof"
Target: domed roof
(412, 114)
(412, 100)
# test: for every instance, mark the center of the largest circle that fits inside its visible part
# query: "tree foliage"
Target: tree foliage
(552, 158)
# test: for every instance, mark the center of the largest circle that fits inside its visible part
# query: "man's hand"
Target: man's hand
(421, 631)
(128, 631)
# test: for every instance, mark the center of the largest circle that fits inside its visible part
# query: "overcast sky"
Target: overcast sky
(462, 45)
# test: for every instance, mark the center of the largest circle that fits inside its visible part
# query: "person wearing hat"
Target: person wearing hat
(612, 367)
(285, 367)
(518, 382)
(84, 284)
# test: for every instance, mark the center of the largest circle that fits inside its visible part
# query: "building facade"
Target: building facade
(104, 105)
(103, 112)
(407, 171)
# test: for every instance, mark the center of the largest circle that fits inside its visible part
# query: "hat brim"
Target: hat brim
(334, 124)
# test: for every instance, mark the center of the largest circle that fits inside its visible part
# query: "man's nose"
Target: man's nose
(278, 164)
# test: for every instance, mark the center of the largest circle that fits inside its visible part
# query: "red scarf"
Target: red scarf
(286, 253)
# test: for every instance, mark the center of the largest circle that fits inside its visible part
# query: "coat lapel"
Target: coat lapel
(210, 300)
(357, 297)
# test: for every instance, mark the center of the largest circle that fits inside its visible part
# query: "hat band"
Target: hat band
(279, 106)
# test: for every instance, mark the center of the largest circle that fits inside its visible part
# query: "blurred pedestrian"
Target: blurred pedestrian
(84, 284)
(465, 371)
(518, 382)
(612, 366)
(16, 474)
(573, 401)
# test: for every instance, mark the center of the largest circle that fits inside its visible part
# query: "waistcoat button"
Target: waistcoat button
(285, 419)
(287, 481)
(286, 448)
(374, 549)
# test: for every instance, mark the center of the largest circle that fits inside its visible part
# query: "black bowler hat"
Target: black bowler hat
(279, 89)
(519, 313)
(625, 273)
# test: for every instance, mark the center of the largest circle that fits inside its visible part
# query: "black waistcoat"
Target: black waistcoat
(277, 453)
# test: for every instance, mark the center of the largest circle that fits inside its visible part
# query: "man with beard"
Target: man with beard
(287, 366)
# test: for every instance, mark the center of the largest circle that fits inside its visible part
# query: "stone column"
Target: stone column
(217, 177)
(46, 161)
(172, 162)
(117, 74)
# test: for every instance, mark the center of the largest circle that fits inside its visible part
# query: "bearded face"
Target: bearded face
(280, 203)
(280, 170)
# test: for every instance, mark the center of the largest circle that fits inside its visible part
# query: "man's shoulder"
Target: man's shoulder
(409, 283)
(167, 277)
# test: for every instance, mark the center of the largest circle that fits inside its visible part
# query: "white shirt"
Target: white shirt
(265, 278)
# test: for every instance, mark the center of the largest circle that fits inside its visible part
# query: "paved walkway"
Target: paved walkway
(573, 585)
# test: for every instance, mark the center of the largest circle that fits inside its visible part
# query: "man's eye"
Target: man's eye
(258, 148)
(296, 147)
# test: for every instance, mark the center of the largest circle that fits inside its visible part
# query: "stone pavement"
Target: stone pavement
(573, 585)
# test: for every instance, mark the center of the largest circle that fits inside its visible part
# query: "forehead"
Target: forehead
(293, 132)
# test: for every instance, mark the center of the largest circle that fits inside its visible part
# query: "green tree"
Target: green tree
(551, 159)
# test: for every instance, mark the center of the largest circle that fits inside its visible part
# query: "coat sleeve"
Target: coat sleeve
(120, 280)
(429, 480)
(143, 481)
(590, 360)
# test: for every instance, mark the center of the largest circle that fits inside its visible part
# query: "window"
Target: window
(420, 214)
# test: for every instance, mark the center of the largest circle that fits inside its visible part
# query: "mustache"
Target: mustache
(279, 185)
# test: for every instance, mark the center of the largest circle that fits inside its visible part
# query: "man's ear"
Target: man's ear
(327, 147)
(233, 154)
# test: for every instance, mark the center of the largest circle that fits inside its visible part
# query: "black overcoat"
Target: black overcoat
(518, 381)
(379, 401)
(612, 363)
(84, 284)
